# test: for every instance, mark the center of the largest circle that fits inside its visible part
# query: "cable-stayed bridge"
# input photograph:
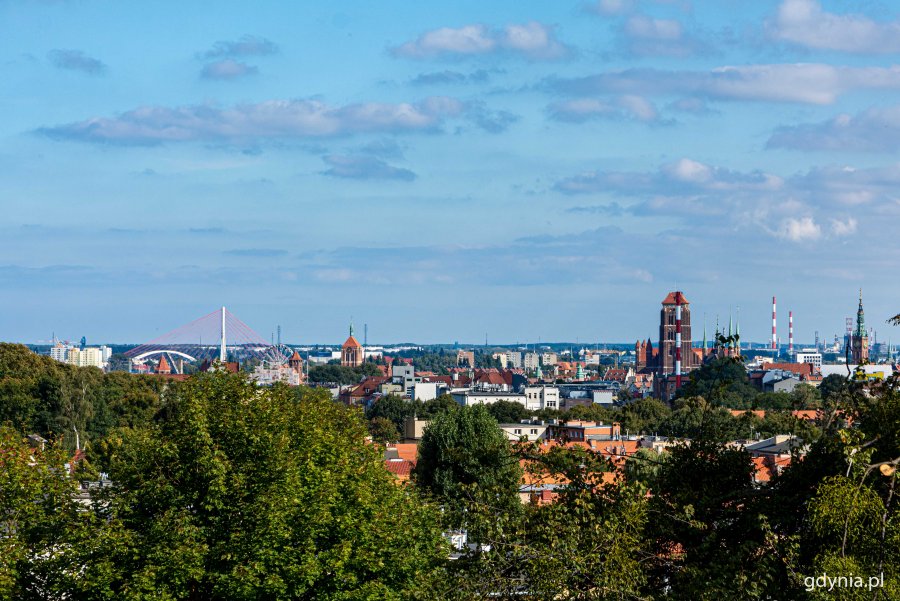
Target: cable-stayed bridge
(218, 336)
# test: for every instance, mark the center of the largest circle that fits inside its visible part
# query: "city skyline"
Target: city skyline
(529, 170)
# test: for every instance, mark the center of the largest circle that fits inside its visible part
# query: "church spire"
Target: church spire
(704, 333)
(860, 318)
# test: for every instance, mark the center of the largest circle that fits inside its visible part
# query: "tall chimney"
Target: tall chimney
(791, 332)
(774, 336)
(677, 340)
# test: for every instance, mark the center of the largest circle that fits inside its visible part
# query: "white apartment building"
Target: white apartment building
(541, 397)
(532, 361)
(550, 358)
(87, 357)
(815, 359)
(526, 430)
(467, 398)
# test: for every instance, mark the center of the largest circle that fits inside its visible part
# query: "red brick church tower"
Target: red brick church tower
(352, 354)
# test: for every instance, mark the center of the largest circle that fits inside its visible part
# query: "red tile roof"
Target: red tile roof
(673, 298)
(351, 343)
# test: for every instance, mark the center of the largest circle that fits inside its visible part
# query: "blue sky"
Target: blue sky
(445, 170)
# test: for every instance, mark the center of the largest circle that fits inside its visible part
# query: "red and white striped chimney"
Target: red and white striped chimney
(790, 332)
(774, 336)
(677, 340)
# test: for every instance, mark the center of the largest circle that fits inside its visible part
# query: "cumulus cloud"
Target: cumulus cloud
(612, 7)
(364, 167)
(683, 177)
(844, 227)
(628, 106)
(248, 45)
(810, 83)
(532, 40)
(269, 120)
(227, 69)
(872, 130)
(76, 60)
(800, 230)
(805, 23)
(648, 36)
(821, 203)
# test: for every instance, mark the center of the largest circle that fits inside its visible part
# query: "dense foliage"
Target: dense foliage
(224, 490)
(339, 374)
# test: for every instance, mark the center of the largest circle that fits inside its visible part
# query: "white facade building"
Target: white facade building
(87, 357)
(467, 398)
(541, 397)
(814, 359)
(526, 430)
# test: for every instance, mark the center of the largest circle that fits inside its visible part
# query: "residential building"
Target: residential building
(814, 359)
(531, 361)
(526, 430)
(541, 397)
(465, 358)
(467, 398)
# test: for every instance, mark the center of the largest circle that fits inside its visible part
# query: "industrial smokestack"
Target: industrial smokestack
(774, 325)
(791, 332)
(678, 300)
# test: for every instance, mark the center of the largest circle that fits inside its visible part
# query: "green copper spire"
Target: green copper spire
(704, 331)
(737, 331)
(730, 334)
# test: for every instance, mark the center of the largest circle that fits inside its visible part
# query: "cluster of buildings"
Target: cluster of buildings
(81, 355)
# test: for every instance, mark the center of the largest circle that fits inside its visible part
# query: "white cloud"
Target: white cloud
(810, 83)
(269, 119)
(628, 106)
(642, 26)
(248, 45)
(873, 130)
(613, 7)
(364, 167)
(843, 228)
(227, 69)
(804, 22)
(531, 40)
(800, 230)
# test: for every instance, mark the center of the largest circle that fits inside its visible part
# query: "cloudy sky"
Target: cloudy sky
(446, 170)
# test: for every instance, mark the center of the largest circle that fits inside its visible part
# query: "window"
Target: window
(518, 430)
(534, 430)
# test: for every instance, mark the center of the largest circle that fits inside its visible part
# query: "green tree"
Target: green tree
(695, 418)
(383, 430)
(508, 412)
(465, 450)
(433, 407)
(643, 467)
(589, 543)
(711, 538)
(39, 520)
(722, 382)
(644, 416)
(833, 386)
(248, 493)
(393, 408)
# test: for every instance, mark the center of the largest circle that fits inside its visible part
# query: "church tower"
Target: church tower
(859, 340)
(667, 334)
(352, 354)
